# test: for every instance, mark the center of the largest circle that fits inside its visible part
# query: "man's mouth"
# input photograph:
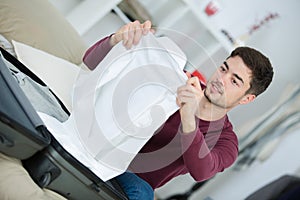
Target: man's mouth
(217, 86)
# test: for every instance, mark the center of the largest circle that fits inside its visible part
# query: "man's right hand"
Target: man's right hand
(188, 99)
(131, 33)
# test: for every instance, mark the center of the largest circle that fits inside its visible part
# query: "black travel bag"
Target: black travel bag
(23, 135)
(22, 132)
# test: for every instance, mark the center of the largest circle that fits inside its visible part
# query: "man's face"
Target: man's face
(228, 85)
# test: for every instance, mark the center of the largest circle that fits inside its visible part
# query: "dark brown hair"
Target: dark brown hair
(260, 66)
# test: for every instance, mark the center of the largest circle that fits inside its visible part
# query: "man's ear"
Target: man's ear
(247, 98)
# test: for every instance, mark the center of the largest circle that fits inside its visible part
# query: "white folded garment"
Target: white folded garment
(117, 107)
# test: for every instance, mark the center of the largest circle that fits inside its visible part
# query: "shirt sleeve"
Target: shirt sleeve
(206, 156)
(95, 54)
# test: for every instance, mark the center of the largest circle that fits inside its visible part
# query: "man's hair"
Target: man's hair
(260, 66)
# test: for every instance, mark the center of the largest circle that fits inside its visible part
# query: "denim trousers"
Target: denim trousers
(134, 187)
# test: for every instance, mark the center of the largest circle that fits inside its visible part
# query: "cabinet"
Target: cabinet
(182, 20)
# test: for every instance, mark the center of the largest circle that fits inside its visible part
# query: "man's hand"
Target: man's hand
(188, 99)
(131, 33)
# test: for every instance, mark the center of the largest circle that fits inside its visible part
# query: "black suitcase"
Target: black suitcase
(56, 169)
(48, 163)
(22, 132)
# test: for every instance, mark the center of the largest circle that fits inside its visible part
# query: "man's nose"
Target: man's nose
(222, 77)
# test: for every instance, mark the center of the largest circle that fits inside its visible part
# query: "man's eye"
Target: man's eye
(235, 82)
(222, 69)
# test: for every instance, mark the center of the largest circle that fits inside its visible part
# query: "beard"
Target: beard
(212, 101)
(220, 101)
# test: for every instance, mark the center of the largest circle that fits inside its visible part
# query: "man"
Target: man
(198, 139)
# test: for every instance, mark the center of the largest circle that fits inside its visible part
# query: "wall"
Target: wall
(281, 43)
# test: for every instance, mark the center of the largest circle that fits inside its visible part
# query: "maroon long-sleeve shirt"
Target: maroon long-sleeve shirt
(211, 148)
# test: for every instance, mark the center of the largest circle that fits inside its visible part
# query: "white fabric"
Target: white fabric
(118, 106)
(5, 44)
(57, 73)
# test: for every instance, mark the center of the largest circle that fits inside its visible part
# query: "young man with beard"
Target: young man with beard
(197, 139)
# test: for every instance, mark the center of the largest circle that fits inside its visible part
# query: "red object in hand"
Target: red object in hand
(200, 76)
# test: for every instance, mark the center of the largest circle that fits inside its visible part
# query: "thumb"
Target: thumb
(188, 74)
(194, 81)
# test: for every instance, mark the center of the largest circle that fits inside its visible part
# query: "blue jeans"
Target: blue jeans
(135, 187)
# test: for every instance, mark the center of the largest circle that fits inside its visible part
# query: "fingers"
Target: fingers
(137, 32)
(194, 81)
(186, 91)
(147, 27)
(124, 34)
(188, 74)
(178, 102)
(189, 92)
(131, 33)
(185, 94)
